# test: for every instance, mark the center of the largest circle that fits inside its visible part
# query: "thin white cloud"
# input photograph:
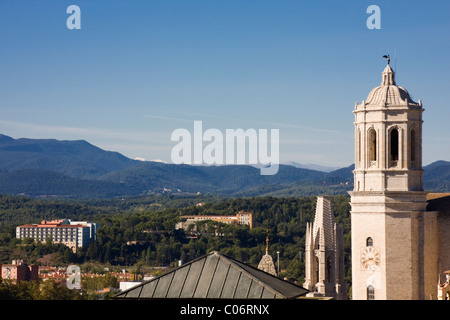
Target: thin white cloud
(152, 116)
(198, 116)
(78, 132)
(315, 141)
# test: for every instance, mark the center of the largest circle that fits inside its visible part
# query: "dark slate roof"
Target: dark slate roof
(438, 202)
(214, 276)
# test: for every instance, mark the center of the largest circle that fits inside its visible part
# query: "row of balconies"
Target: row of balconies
(26, 235)
(42, 232)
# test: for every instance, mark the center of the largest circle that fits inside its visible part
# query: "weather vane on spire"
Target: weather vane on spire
(388, 59)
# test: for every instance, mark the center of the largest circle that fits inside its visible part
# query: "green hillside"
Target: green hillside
(77, 169)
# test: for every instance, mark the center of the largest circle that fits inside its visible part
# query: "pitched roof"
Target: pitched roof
(214, 276)
(438, 202)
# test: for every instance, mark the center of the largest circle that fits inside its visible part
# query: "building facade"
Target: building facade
(242, 218)
(324, 254)
(74, 234)
(398, 242)
(19, 271)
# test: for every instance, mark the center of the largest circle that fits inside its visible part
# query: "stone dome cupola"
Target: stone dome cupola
(388, 93)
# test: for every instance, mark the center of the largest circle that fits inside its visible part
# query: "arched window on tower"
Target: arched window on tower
(359, 147)
(393, 154)
(369, 242)
(372, 146)
(412, 147)
(370, 293)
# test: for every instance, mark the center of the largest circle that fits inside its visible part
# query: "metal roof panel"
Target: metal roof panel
(214, 276)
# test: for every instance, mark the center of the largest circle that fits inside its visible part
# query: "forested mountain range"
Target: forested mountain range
(78, 169)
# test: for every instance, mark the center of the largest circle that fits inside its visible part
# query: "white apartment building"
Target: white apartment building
(74, 234)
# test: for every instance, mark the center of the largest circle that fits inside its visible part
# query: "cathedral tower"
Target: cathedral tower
(388, 201)
(324, 254)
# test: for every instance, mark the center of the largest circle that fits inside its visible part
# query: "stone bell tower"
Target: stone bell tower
(324, 254)
(388, 201)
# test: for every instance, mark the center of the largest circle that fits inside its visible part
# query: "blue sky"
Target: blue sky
(138, 70)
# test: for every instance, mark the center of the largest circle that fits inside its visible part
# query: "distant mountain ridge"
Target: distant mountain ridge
(311, 166)
(76, 159)
(78, 169)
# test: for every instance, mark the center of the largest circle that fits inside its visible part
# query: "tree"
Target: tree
(50, 290)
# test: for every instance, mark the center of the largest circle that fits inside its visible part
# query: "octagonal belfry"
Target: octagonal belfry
(388, 134)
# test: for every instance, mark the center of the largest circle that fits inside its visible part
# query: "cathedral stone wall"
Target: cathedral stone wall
(430, 253)
(444, 241)
(393, 220)
(402, 256)
(368, 275)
